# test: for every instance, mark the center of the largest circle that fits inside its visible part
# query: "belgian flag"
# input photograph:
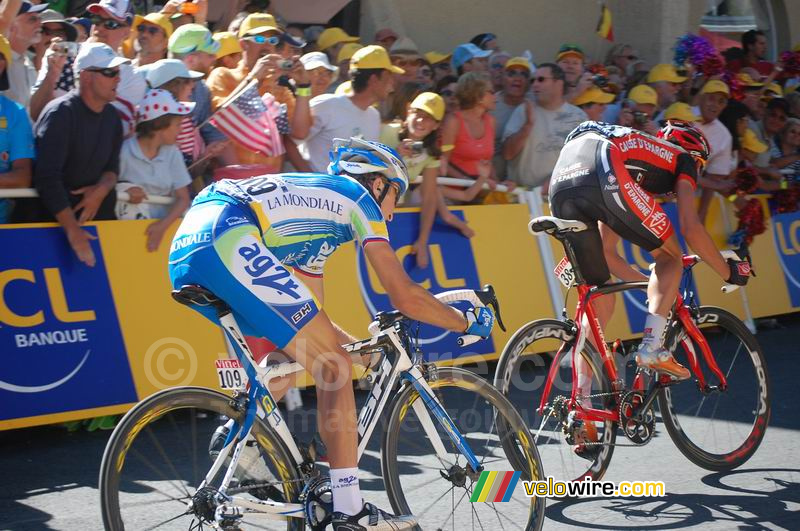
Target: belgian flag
(604, 28)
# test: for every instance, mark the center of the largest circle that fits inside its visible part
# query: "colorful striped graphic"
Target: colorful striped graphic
(495, 486)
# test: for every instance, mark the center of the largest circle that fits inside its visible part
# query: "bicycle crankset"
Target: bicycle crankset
(637, 424)
(318, 503)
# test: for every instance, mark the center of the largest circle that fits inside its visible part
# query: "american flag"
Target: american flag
(186, 140)
(246, 119)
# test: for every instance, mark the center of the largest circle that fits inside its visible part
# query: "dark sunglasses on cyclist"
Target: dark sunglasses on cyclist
(105, 72)
(274, 40)
(147, 28)
(107, 23)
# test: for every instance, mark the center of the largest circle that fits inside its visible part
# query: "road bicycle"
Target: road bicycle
(439, 436)
(717, 423)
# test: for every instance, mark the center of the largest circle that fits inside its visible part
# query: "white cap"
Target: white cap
(158, 102)
(314, 60)
(404, 46)
(96, 55)
(166, 70)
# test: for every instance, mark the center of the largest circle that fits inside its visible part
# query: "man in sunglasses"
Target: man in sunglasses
(152, 34)
(111, 25)
(572, 61)
(78, 139)
(261, 38)
(516, 80)
(25, 31)
(405, 54)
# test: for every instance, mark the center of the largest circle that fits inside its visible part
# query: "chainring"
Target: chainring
(639, 432)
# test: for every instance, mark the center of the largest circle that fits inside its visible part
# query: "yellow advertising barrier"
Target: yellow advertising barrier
(79, 342)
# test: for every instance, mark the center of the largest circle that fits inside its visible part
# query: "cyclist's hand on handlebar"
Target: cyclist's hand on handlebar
(480, 321)
(740, 272)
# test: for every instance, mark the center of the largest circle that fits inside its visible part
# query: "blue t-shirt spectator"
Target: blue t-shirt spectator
(16, 142)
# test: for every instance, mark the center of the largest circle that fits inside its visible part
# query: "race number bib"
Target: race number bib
(565, 273)
(231, 375)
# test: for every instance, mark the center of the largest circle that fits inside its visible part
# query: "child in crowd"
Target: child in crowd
(151, 164)
(416, 139)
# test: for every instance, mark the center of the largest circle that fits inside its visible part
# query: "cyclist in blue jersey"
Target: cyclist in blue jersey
(260, 244)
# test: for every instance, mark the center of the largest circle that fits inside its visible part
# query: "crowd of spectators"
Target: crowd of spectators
(107, 97)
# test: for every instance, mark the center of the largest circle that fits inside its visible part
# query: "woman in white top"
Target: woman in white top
(152, 165)
(416, 139)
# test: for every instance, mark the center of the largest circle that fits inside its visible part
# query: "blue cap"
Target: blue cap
(467, 52)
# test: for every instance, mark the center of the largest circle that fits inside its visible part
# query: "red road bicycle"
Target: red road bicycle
(718, 423)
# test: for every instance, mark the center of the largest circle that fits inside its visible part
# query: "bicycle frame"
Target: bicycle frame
(395, 365)
(584, 310)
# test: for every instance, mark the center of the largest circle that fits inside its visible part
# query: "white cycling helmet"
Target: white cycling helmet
(355, 156)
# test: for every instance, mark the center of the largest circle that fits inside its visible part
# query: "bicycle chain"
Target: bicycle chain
(598, 395)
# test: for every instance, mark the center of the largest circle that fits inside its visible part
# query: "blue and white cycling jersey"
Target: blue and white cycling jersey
(304, 218)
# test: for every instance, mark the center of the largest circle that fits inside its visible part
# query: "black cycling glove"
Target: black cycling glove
(740, 272)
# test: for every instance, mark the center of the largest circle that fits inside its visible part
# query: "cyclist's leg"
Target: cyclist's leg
(642, 221)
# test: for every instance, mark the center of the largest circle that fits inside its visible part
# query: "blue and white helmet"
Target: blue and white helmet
(355, 156)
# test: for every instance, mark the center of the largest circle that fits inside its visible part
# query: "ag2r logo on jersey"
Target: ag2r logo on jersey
(452, 266)
(786, 230)
(59, 332)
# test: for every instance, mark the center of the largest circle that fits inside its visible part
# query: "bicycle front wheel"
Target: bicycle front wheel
(720, 430)
(437, 489)
(158, 455)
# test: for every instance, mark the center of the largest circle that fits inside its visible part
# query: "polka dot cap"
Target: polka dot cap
(158, 102)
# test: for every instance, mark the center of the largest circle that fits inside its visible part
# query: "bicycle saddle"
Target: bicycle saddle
(551, 224)
(193, 294)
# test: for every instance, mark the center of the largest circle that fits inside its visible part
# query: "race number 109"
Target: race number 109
(231, 375)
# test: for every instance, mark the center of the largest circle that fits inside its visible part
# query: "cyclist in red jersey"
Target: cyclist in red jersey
(608, 176)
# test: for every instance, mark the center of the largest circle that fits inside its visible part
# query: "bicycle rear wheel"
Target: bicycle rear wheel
(158, 455)
(521, 375)
(720, 430)
(438, 491)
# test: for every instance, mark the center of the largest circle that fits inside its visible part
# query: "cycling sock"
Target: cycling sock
(653, 332)
(345, 490)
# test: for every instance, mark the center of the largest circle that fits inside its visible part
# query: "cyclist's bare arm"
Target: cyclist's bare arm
(617, 265)
(695, 233)
(408, 297)
(317, 287)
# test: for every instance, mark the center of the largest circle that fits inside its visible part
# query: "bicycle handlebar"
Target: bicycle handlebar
(741, 254)
(483, 297)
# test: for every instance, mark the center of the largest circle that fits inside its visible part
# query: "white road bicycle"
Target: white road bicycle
(440, 434)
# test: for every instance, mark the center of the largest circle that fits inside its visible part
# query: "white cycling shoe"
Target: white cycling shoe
(660, 360)
(371, 519)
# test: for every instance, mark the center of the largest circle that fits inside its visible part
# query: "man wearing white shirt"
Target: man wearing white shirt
(372, 75)
(713, 100)
(25, 30)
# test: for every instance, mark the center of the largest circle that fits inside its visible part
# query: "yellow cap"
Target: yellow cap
(715, 86)
(746, 80)
(345, 89)
(431, 103)
(347, 51)
(592, 95)
(373, 56)
(664, 72)
(680, 111)
(157, 19)
(332, 36)
(518, 61)
(436, 57)
(228, 44)
(751, 142)
(775, 88)
(5, 49)
(256, 23)
(643, 95)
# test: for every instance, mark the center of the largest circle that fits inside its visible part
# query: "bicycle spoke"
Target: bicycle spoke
(161, 451)
(168, 521)
(159, 472)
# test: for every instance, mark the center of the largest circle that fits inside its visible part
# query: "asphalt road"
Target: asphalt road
(50, 476)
